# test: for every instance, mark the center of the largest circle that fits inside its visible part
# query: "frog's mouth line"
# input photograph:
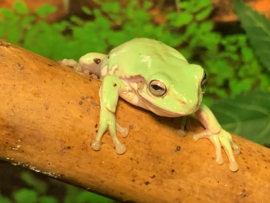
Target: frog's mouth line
(163, 112)
(148, 103)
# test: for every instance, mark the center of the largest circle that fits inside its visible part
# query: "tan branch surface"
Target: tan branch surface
(49, 114)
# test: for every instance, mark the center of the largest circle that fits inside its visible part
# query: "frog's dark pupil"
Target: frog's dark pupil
(156, 87)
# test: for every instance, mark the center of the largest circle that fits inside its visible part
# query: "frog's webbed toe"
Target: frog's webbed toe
(96, 145)
(123, 131)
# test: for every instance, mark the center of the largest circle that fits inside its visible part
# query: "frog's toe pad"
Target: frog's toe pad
(120, 148)
(237, 150)
(196, 138)
(234, 166)
(181, 132)
(96, 145)
(124, 132)
(220, 160)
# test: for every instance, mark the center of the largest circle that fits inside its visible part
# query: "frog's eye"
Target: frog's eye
(157, 88)
(203, 83)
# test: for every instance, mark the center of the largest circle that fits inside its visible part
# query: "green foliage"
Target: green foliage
(246, 115)
(5, 199)
(45, 10)
(235, 67)
(25, 196)
(36, 192)
(20, 7)
(36, 184)
(79, 196)
(251, 112)
(257, 28)
(228, 60)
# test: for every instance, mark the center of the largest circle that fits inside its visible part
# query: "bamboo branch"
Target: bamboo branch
(49, 114)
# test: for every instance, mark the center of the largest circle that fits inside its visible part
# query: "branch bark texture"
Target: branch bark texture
(49, 115)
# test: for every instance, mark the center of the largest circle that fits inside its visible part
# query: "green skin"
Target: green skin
(156, 77)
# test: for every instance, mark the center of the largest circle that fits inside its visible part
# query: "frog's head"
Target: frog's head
(174, 94)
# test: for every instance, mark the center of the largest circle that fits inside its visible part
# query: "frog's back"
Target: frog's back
(142, 56)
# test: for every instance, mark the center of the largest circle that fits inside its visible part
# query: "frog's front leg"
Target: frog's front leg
(218, 136)
(109, 93)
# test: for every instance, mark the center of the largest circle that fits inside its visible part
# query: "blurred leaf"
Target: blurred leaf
(247, 54)
(44, 11)
(240, 86)
(88, 197)
(172, 15)
(4, 199)
(76, 19)
(257, 27)
(47, 199)
(27, 20)
(204, 13)
(79, 196)
(218, 91)
(20, 7)
(183, 19)
(229, 55)
(247, 115)
(30, 180)
(209, 40)
(111, 7)
(206, 26)
(147, 4)
(191, 29)
(61, 26)
(198, 5)
(14, 34)
(231, 48)
(7, 13)
(25, 196)
(86, 10)
(264, 81)
(184, 4)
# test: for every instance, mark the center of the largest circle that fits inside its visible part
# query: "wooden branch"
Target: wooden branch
(49, 114)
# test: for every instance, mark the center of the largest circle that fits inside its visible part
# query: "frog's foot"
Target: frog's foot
(224, 139)
(119, 147)
(123, 131)
(108, 123)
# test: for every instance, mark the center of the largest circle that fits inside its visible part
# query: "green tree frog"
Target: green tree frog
(149, 74)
